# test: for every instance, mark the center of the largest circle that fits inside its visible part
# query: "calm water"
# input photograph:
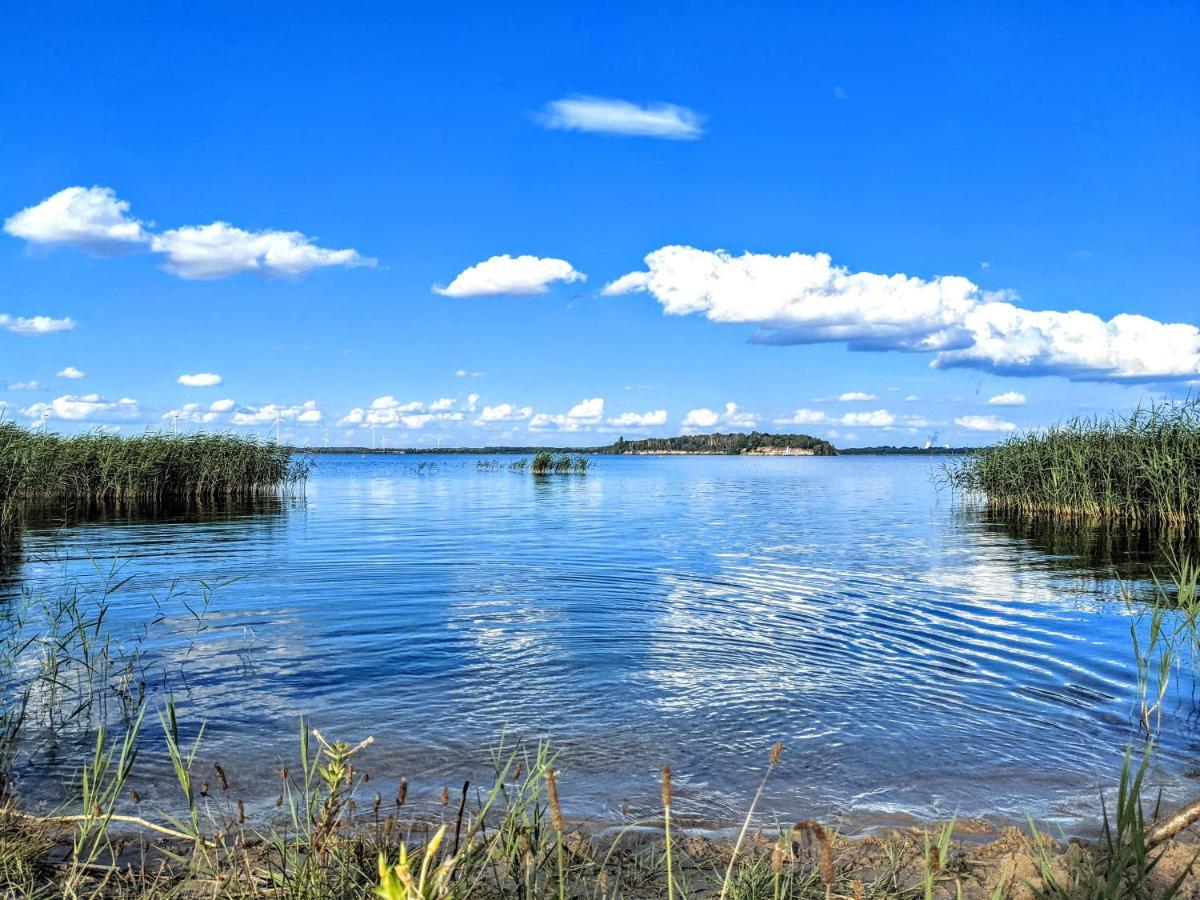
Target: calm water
(914, 658)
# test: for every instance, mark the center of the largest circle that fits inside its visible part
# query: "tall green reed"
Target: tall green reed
(38, 467)
(1143, 468)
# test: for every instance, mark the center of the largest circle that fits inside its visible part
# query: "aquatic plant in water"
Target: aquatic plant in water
(1144, 468)
(38, 467)
(547, 463)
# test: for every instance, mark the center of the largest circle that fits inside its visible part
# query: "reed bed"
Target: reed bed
(547, 463)
(41, 467)
(1141, 469)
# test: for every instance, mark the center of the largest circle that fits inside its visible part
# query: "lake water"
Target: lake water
(915, 658)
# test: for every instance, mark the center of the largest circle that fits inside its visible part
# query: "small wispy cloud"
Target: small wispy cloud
(200, 379)
(71, 372)
(984, 423)
(639, 420)
(513, 276)
(35, 324)
(606, 115)
(856, 396)
(1008, 398)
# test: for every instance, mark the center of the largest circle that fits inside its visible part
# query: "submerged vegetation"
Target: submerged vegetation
(38, 467)
(1142, 469)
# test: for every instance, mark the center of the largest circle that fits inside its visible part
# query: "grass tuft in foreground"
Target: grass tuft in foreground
(1144, 468)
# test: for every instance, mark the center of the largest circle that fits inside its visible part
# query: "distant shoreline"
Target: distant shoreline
(607, 451)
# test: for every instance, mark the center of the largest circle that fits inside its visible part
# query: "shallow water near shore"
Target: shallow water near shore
(916, 658)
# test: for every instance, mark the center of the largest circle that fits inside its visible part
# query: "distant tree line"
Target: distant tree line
(727, 444)
(906, 451)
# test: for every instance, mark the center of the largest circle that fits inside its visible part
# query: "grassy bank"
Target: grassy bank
(342, 829)
(40, 467)
(1144, 468)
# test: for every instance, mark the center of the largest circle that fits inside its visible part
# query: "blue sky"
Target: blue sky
(1016, 164)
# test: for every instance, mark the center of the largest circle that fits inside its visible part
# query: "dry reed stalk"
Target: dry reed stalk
(809, 827)
(666, 800)
(776, 752)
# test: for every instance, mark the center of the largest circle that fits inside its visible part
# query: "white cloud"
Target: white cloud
(92, 219)
(388, 412)
(390, 403)
(631, 283)
(587, 409)
(35, 324)
(984, 423)
(89, 407)
(582, 414)
(911, 398)
(23, 385)
(503, 412)
(305, 413)
(640, 420)
(221, 405)
(472, 402)
(192, 412)
(514, 276)
(95, 220)
(880, 418)
(802, 298)
(851, 396)
(1008, 398)
(200, 379)
(701, 418)
(70, 372)
(732, 417)
(804, 417)
(466, 373)
(609, 116)
(220, 250)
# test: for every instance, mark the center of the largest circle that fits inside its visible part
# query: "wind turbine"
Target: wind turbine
(175, 423)
(372, 435)
(276, 428)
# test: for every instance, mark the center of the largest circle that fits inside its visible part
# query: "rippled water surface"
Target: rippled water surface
(914, 658)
